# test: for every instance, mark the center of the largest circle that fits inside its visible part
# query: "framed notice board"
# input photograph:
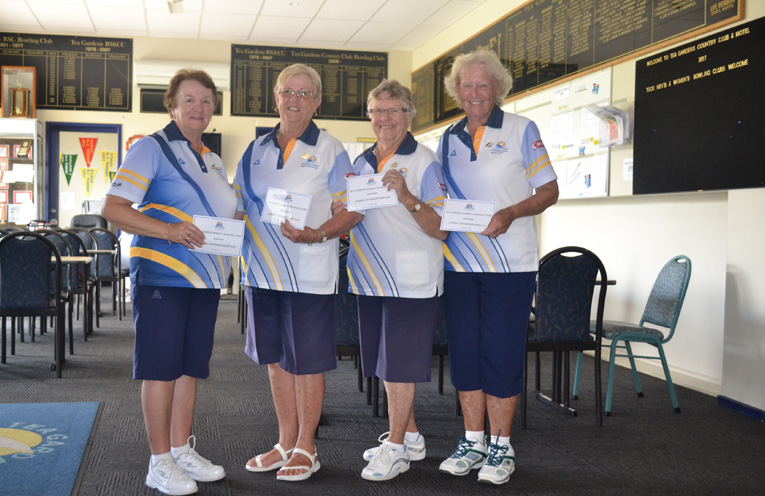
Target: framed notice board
(544, 41)
(700, 114)
(346, 76)
(74, 72)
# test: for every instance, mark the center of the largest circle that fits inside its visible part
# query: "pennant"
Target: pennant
(88, 149)
(107, 160)
(88, 179)
(67, 163)
(112, 175)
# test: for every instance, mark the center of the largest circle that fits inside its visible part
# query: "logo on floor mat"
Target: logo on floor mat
(20, 442)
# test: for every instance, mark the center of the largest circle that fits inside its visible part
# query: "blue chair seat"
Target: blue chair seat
(612, 328)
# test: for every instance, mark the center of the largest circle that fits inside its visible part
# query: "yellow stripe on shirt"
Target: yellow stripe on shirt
(452, 260)
(277, 278)
(539, 164)
(178, 214)
(367, 266)
(137, 184)
(482, 250)
(169, 262)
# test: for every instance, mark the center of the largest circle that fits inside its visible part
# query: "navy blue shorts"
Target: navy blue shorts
(487, 318)
(297, 330)
(396, 337)
(174, 330)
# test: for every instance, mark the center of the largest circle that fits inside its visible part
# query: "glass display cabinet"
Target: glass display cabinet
(22, 175)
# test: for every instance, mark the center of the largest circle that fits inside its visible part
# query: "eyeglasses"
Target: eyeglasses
(393, 112)
(301, 94)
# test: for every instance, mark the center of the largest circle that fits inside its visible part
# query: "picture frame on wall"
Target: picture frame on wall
(17, 86)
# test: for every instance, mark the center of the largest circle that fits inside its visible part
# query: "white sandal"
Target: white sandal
(309, 471)
(259, 461)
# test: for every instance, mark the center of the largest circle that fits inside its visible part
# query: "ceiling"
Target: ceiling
(380, 25)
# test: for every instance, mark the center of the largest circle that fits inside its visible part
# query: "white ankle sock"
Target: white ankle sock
(474, 436)
(411, 437)
(176, 452)
(502, 441)
(398, 447)
(158, 458)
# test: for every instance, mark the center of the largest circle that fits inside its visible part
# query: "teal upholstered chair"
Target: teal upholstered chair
(566, 284)
(662, 310)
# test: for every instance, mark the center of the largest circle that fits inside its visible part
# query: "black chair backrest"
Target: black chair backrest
(86, 221)
(64, 249)
(25, 264)
(107, 265)
(565, 286)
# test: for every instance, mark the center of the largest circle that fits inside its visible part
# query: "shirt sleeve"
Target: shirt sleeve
(137, 171)
(432, 187)
(536, 160)
(341, 169)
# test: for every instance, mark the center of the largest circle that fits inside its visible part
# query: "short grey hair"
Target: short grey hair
(502, 79)
(390, 88)
(297, 70)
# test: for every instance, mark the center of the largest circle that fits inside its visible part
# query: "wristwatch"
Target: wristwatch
(416, 208)
(323, 235)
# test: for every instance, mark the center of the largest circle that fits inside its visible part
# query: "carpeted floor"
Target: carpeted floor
(643, 448)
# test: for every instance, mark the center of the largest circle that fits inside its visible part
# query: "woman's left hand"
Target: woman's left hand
(395, 180)
(499, 223)
(307, 235)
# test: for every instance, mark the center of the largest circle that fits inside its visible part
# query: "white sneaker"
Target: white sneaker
(386, 464)
(198, 467)
(416, 450)
(499, 465)
(168, 478)
(466, 456)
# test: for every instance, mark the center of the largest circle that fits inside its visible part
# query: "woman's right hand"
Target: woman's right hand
(185, 233)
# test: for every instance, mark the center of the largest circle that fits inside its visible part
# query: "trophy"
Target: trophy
(19, 101)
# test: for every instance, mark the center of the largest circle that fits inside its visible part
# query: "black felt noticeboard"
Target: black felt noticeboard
(700, 114)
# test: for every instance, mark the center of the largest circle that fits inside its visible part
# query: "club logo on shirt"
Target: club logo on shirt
(256, 162)
(117, 184)
(453, 153)
(500, 147)
(404, 171)
(181, 162)
(537, 145)
(310, 161)
(394, 165)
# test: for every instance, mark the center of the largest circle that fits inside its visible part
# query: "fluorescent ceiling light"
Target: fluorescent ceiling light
(175, 6)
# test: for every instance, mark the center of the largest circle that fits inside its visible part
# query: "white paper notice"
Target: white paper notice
(466, 215)
(365, 192)
(284, 205)
(222, 236)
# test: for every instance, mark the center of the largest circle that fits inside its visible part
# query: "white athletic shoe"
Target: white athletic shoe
(167, 477)
(198, 467)
(499, 466)
(466, 456)
(386, 464)
(416, 449)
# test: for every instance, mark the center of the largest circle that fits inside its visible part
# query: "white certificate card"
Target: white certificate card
(222, 236)
(284, 205)
(365, 192)
(466, 215)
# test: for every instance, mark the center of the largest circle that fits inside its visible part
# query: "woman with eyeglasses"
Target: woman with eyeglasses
(395, 267)
(290, 264)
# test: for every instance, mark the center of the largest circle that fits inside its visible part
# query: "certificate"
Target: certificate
(365, 192)
(284, 205)
(222, 236)
(466, 215)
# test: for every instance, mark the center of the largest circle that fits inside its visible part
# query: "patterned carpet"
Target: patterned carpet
(643, 448)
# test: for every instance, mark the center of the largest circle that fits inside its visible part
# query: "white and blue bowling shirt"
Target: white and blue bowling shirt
(508, 162)
(191, 184)
(314, 164)
(390, 254)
